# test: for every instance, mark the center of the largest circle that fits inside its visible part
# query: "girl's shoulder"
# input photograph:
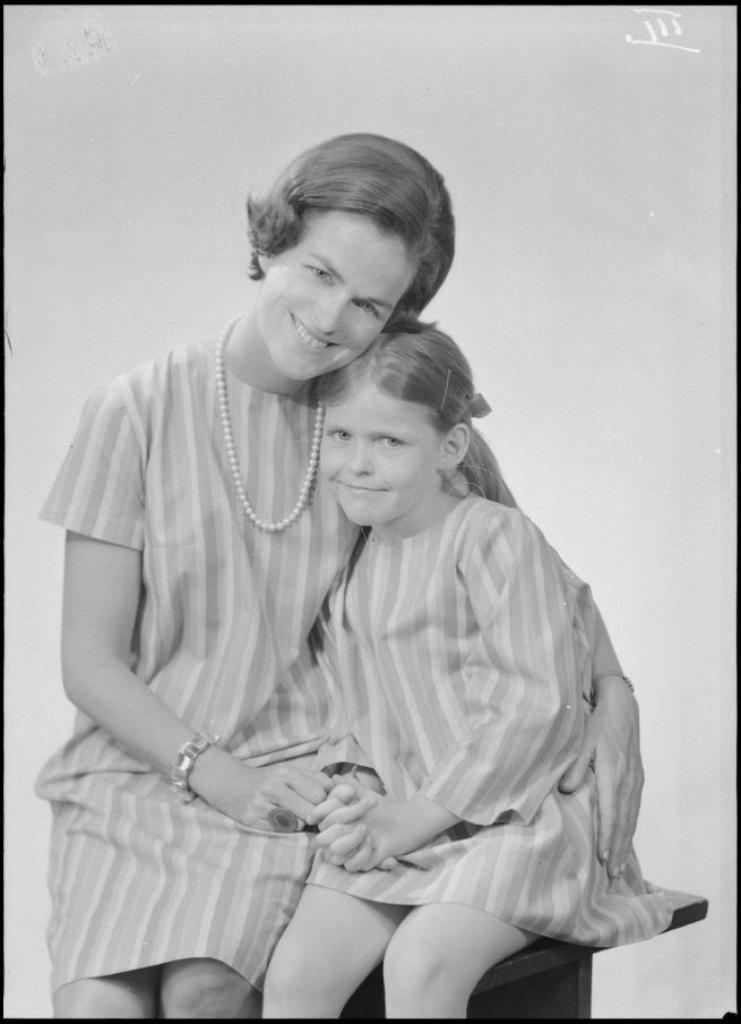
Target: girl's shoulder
(481, 517)
(487, 525)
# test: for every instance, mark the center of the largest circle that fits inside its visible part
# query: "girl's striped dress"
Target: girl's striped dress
(137, 878)
(461, 662)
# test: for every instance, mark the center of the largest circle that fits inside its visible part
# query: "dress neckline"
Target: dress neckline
(439, 524)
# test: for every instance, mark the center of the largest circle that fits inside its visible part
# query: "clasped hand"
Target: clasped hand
(358, 827)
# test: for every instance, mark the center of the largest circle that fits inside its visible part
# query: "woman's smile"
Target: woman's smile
(307, 337)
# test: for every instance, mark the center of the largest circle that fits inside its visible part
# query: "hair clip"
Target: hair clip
(445, 392)
(478, 406)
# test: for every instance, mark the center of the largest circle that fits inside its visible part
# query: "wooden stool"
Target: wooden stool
(549, 979)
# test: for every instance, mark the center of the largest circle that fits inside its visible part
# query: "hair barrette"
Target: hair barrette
(478, 406)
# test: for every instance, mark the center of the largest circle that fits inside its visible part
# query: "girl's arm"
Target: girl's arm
(102, 586)
(611, 738)
(520, 684)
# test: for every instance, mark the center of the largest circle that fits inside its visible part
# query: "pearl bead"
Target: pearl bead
(231, 449)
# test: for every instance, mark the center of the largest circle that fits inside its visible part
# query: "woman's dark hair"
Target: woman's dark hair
(416, 362)
(371, 175)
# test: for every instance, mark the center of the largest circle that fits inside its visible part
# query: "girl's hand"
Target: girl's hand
(374, 831)
(248, 795)
(367, 833)
(347, 801)
(612, 740)
(384, 837)
(342, 822)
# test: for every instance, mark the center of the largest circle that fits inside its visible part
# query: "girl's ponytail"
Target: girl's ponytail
(481, 470)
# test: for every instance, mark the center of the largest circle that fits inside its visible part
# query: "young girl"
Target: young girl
(461, 655)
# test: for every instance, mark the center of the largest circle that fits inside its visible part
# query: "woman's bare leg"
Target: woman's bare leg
(202, 989)
(437, 956)
(129, 994)
(333, 942)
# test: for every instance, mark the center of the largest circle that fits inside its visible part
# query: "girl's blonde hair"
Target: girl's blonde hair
(416, 362)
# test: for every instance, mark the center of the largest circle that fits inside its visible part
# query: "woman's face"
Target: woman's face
(324, 301)
(381, 457)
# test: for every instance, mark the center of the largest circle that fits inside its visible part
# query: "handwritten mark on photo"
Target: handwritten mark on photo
(657, 29)
(92, 44)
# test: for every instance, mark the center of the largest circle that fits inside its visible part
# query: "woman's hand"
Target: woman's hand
(248, 795)
(612, 740)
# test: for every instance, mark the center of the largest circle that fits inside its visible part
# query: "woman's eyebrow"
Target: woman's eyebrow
(335, 273)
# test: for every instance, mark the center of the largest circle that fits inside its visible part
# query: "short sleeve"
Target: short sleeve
(99, 489)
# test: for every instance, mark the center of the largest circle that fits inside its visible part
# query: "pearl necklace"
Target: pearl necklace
(231, 449)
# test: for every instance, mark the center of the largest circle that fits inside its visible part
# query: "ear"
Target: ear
(454, 446)
(259, 260)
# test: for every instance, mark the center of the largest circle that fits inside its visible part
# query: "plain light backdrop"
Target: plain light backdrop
(591, 160)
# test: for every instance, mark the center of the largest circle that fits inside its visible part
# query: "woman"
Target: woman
(197, 557)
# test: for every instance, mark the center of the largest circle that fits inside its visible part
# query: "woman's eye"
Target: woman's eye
(391, 442)
(369, 308)
(338, 435)
(320, 272)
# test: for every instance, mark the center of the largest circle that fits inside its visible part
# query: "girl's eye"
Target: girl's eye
(320, 273)
(338, 435)
(391, 442)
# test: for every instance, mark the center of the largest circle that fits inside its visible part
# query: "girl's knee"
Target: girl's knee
(422, 979)
(414, 971)
(295, 975)
(206, 989)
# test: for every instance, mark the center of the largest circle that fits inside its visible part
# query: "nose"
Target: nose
(329, 311)
(359, 459)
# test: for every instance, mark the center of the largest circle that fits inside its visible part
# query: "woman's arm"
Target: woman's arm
(611, 742)
(102, 585)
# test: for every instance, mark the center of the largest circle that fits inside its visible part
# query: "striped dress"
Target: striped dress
(461, 663)
(137, 878)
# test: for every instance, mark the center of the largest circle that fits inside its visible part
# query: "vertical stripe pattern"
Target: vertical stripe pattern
(462, 662)
(136, 878)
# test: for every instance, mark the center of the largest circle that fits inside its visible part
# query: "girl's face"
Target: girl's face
(382, 458)
(324, 301)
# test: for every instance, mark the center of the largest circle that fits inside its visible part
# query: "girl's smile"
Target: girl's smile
(383, 459)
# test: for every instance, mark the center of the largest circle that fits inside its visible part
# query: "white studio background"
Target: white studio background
(593, 176)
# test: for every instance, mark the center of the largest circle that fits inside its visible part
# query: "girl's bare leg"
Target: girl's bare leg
(332, 943)
(129, 994)
(437, 956)
(203, 989)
